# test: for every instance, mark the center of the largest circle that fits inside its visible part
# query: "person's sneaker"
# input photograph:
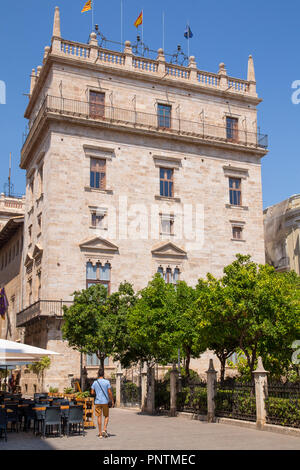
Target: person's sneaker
(104, 434)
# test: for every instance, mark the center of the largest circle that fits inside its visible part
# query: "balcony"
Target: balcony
(108, 116)
(41, 309)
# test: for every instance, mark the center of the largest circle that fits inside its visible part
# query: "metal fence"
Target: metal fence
(148, 121)
(193, 398)
(131, 394)
(283, 404)
(236, 401)
(162, 395)
(42, 308)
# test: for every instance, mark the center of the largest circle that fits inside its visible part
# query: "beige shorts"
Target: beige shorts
(99, 409)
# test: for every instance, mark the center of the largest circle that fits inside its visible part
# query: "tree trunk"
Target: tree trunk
(187, 362)
(223, 366)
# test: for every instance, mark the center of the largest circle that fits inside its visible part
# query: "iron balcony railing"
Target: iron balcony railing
(140, 120)
(41, 308)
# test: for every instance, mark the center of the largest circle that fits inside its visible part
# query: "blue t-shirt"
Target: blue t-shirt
(102, 396)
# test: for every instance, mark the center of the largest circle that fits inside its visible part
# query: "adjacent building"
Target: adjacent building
(282, 234)
(133, 166)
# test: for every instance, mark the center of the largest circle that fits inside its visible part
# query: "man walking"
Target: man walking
(101, 387)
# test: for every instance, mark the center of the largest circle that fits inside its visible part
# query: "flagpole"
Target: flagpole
(92, 15)
(121, 25)
(163, 25)
(188, 40)
(143, 26)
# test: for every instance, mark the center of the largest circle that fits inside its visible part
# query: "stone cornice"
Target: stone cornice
(235, 147)
(135, 74)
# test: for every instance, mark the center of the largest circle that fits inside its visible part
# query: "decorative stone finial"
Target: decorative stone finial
(128, 49)
(222, 69)
(56, 23)
(47, 49)
(39, 68)
(251, 71)
(160, 55)
(32, 81)
(192, 61)
(211, 366)
(260, 367)
(93, 38)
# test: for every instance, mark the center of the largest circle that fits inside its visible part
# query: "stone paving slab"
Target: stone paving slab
(130, 430)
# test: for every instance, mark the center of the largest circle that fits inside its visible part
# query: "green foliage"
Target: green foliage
(283, 411)
(130, 392)
(69, 391)
(82, 394)
(148, 323)
(243, 369)
(253, 309)
(193, 398)
(53, 390)
(193, 377)
(39, 367)
(239, 404)
(96, 322)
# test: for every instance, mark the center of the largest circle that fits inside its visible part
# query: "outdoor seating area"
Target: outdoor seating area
(43, 415)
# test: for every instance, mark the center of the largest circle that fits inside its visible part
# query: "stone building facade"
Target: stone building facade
(282, 234)
(133, 166)
(11, 261)
(10, 206)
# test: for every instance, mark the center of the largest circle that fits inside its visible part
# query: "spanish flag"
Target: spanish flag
(87, 6)
(139, 20)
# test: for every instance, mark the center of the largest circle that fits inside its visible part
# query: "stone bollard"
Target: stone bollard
(261, 393)
(144, 388)
(151, 390)
(173, 391)
(118, 386)
(211, 391)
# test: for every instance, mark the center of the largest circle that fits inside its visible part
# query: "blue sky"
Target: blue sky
(223, 32)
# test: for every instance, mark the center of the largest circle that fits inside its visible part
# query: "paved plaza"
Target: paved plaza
(129, 430)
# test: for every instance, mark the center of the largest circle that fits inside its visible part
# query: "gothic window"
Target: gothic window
(98, 274)
(170, 275)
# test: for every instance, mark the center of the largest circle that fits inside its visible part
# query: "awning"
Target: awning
(12, 353)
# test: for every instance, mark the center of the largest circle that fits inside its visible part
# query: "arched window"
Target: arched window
(171, 276)
(175, 276)
(98, 274)
(161, 271)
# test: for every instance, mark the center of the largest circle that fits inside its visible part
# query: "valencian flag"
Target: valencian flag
(3, 303)
(139, 20)
(188, 33)
(87, 6)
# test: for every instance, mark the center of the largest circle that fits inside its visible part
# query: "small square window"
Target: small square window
(167, 224)
(237, 233)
